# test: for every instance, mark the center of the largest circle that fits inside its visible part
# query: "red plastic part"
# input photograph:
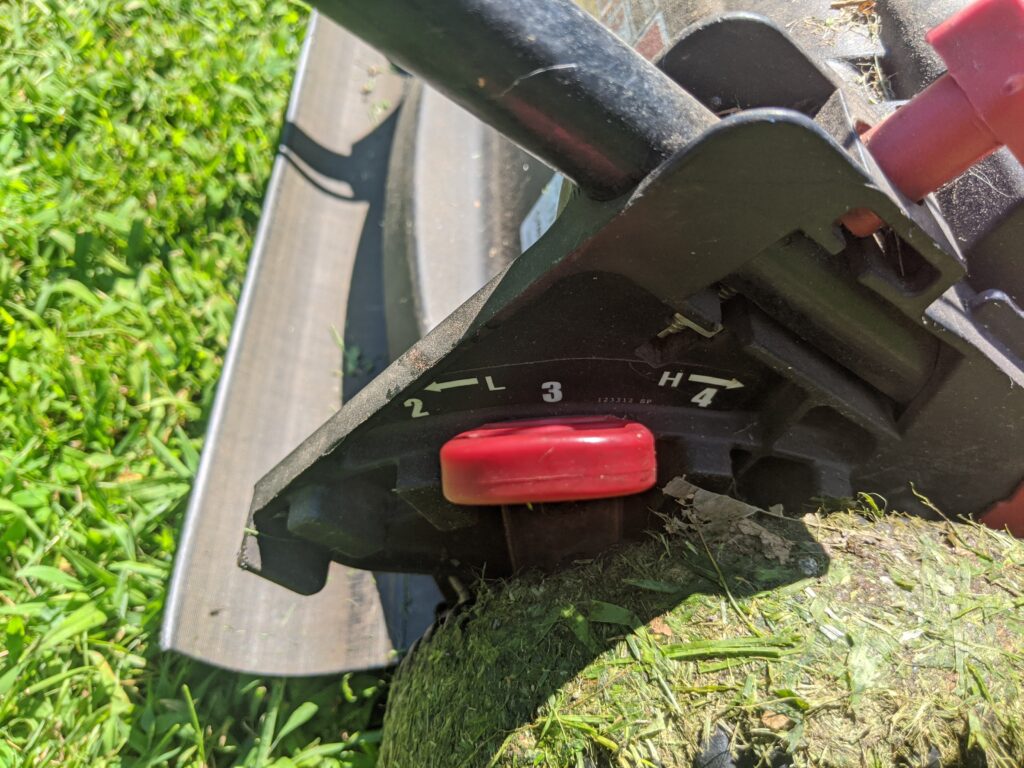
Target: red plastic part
(983, 47)
(965, 115)
(546, 460)
(932, 139)
(1008, 515)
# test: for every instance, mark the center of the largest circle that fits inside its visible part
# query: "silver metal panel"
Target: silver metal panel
(445, 283)
(318, 242)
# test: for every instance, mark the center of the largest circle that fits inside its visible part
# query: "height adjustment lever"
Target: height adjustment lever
(560, 482)
(546, 460)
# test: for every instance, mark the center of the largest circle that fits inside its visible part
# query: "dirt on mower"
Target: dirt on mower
(842, 639)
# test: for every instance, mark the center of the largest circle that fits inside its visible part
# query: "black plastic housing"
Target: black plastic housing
(865, 364)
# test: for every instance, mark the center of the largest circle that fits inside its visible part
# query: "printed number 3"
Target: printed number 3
(552, 391)
(417, 407)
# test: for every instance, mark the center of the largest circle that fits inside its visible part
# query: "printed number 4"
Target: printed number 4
(552, 391)
(417, 407)
(704, 397)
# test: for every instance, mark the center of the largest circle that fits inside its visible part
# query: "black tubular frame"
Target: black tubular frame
(544, 73)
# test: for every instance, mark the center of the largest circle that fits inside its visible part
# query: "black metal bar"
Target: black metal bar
(544, 73)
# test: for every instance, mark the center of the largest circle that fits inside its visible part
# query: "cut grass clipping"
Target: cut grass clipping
(136, 139)
(832, 641)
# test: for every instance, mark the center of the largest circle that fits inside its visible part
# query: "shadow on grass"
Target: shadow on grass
(185, 712)
(522, 643)
(194, 714)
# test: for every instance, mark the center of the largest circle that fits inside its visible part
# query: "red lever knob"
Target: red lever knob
(1008, 514)
(965, 115)
(544, 460)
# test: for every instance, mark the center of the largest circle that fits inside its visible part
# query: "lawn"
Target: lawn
(136, 139)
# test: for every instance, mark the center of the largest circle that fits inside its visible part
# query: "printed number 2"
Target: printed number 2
(552, 391)
(417, 407)
(704, 397)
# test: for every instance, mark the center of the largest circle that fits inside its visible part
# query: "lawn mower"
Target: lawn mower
(773, 247)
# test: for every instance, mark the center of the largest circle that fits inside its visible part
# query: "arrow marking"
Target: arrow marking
(716, 382)
(441, 386)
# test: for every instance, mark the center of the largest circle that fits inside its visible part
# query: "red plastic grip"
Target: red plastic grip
(548, 460)
(1007, 515)
(965, 115)
(983, 47)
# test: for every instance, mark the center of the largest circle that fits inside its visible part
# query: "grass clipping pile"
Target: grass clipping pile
(835, 640)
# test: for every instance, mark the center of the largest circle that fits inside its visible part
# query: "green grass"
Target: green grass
(136, 139)
(875, 642)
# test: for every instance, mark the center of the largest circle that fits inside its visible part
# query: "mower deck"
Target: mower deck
(314, 279)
